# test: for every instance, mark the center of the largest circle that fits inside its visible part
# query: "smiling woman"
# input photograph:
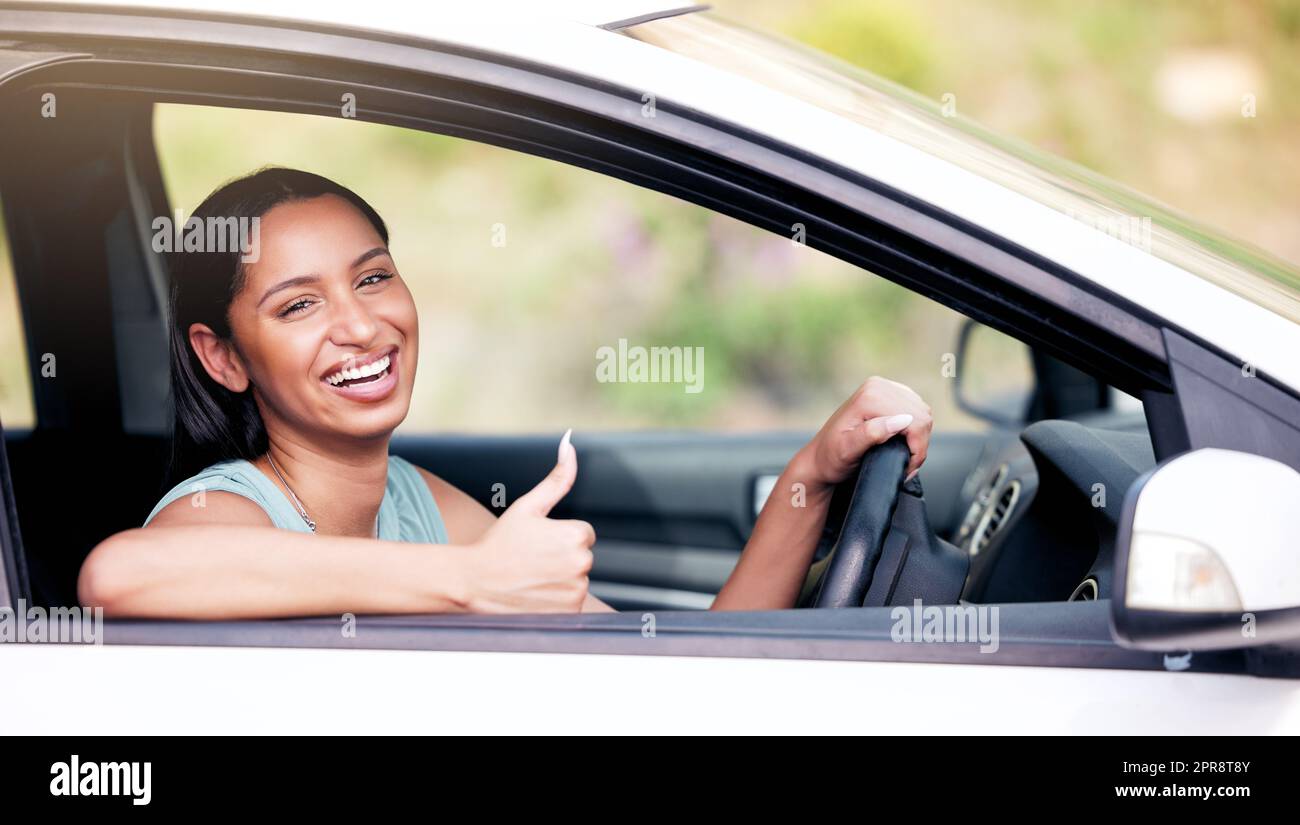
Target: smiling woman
(215, 416)
(292, 366)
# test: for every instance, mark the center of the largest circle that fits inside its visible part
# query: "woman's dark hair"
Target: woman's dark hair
(211, 423)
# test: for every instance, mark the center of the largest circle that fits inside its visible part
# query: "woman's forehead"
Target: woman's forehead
(320, 235)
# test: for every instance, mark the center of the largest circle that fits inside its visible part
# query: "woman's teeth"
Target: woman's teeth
(358, 373)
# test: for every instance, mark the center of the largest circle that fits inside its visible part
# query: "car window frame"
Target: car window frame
(13, 582)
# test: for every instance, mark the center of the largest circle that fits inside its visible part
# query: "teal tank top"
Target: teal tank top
(406, 513)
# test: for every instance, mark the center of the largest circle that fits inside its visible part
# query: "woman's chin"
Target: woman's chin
(378, 423)
(367, 421)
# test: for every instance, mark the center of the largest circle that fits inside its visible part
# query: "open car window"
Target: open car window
(544, 288)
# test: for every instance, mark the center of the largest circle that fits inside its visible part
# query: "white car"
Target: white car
(1089, 565)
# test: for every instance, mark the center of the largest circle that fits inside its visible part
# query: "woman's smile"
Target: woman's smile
(365, 379)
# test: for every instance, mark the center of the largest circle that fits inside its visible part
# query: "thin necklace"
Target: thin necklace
(302, 511)
(296, 503)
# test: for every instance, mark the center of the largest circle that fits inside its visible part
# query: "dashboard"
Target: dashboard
(1041, 508)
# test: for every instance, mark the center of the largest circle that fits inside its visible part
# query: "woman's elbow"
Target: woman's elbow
(105, 578)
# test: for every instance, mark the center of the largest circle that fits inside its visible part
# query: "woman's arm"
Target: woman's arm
(239, 571)
(226, 561)
(775, 561)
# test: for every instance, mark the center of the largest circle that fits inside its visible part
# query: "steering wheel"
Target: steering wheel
(847, 572)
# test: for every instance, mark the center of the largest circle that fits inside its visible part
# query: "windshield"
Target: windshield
(899, 113)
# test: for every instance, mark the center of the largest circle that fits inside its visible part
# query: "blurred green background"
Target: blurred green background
(1145, 92)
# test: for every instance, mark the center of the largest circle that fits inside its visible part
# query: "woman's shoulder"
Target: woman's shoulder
(237, 476)
(406, 480)
(235, 471)
(459, 516)
(400, 466)
(416, 481)
(416, 492)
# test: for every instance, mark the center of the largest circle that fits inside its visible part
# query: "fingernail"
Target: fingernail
(564, 442)
(897, 422)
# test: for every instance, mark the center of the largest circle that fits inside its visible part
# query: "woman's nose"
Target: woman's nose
(353, 323)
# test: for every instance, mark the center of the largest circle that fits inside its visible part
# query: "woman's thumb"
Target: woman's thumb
(550, 490)
(878, 430)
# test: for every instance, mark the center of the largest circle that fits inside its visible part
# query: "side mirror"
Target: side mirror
(994, 375)
(1208, 554)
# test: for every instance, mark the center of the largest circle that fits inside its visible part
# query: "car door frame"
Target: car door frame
(587, 123)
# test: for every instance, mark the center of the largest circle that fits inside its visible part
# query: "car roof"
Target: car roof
(412, 18)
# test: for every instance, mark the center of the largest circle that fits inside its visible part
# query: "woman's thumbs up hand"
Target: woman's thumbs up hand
(528, 562)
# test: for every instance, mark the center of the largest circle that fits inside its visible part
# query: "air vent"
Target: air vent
(995, 517)
(998, 478)
(1086, 591)
(980, 504)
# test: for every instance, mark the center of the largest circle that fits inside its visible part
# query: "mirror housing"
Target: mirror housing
(1010, 410)
(1207, 555)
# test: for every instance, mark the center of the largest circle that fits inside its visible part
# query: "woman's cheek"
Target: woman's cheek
(409, 327)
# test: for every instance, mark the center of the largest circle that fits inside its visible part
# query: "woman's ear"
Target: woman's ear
(218, 358)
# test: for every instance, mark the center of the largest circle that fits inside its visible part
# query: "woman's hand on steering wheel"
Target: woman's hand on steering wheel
(879, 409)
(774, 566)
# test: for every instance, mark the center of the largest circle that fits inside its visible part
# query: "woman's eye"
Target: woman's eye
(303, 303)
(295, 307)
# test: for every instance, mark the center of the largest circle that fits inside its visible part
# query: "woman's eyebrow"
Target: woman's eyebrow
(300, 280)
(365, 256)
(287, 284)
